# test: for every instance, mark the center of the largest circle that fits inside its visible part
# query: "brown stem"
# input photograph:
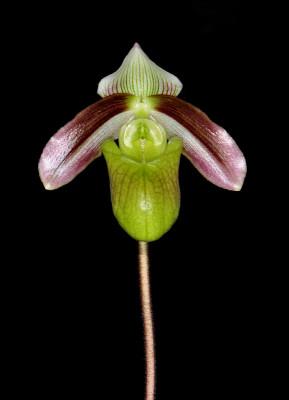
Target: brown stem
(147, 320)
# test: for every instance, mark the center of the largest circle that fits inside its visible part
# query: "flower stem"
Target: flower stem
(147, 319)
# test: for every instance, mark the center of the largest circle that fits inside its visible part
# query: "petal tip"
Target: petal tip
(48, 185)
(43, 174)
(242, 174)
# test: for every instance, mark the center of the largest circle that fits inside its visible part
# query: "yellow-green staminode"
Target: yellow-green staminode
(144, 184)
(142, 140)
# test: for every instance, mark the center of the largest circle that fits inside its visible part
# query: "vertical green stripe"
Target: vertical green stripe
(138, 74)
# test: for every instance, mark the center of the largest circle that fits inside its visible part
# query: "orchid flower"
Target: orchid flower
(140, 108)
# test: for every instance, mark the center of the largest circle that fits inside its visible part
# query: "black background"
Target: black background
(77, 316)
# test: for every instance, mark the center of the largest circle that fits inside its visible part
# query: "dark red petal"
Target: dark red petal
(208, 146)
(78, 143)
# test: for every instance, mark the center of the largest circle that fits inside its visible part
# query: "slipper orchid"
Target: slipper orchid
(139, 107)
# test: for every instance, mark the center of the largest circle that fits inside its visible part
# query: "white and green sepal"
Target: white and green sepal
(140, 76)
(144, 183)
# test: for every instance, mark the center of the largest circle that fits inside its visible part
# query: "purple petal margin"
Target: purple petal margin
(208, 146)
(78, 143)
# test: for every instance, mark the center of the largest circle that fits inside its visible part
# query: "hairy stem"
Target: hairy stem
(147, 320)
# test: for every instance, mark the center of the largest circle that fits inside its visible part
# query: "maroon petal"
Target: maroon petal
(208, 146)
(78, 143)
